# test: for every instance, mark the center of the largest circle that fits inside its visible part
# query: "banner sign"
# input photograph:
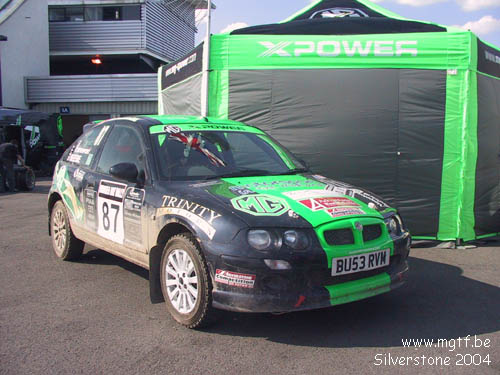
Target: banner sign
(183, 68)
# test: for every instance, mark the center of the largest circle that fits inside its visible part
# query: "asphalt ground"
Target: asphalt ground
(94, 316)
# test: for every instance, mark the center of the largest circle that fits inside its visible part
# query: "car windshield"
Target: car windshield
(198, 155)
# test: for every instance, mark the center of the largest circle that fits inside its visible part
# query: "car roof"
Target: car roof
(147, 121)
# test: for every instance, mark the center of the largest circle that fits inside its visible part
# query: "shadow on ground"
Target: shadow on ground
(437, 303)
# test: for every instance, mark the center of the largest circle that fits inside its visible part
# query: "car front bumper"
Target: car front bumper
(305, 287)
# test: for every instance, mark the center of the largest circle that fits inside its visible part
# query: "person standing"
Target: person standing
(9, 155)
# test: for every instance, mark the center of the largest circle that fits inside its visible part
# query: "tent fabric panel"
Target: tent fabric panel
(250, 97)
(183, 98)
(334, 119)
(422, 102)
(487, 199)
(488, 59)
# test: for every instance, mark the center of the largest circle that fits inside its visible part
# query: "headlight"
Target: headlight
(262, 240)
(393, 225)
(295, 239)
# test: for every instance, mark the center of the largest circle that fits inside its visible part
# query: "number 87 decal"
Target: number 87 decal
(105, 217)
(110, 209)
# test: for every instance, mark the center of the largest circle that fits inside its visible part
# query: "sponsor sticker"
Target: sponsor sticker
(201, 216)
(110, 210)
(171, 129)
(78, 175)
(317, 204)
(241, 280)
(345, 211)
(241, 190)
(101, 135)
(132, 215)
(300, 195)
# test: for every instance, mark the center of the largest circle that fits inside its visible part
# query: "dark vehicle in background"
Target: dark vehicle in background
(39, 137)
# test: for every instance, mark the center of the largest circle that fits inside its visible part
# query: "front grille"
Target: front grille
(371, 232)
(339, 237)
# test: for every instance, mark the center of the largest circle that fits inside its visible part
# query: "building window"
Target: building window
(94, 13)
(111, 14)
(57, 14)
(131, 13)
(74, 14)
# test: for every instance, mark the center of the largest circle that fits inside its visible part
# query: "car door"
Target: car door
(75, 181)
(121, 213)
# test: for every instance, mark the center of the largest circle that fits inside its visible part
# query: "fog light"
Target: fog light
(277, 264)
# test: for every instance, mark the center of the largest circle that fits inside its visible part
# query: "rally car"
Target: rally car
(223, 217)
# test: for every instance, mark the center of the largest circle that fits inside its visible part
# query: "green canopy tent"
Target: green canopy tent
(409, 110)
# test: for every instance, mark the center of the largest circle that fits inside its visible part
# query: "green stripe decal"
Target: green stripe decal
(359, 289)
(162, 129)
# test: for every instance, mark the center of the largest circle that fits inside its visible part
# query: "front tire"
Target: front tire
(186, 283)
(66, 246)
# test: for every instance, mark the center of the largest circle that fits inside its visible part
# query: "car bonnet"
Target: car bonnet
(284, 200)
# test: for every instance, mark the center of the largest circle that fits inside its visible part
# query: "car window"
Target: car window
(252, 153)
(123, 146)
(190, 155)
(84, 150)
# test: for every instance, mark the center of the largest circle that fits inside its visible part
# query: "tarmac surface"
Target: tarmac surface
(94, 316)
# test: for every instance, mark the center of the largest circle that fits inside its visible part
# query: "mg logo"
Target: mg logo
(260, 205)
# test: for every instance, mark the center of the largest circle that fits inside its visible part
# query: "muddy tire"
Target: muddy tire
(66, 246)
(186, 282)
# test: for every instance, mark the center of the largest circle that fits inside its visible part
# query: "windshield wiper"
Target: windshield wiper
(293, 171)
(242, 173)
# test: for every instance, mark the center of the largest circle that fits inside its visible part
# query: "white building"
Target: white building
(26, 50)
(90, 59)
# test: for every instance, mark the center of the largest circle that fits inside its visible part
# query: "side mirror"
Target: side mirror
(124, 171)
(304, 163)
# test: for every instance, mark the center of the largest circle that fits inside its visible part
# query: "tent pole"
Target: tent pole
(206, 65)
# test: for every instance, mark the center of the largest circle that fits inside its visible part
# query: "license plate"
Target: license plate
(361, 262)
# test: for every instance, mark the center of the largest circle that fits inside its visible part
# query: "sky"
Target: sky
(480, 16)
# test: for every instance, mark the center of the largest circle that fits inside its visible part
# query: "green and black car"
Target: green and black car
(223, 217)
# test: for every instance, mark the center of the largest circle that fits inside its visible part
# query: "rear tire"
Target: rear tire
(25, 179)
(186, 282)
(66, 246)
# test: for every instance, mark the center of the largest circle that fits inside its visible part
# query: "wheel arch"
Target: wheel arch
(168, 231)
(53, 199)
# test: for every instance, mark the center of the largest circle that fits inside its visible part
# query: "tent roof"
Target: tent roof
(343, 17)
